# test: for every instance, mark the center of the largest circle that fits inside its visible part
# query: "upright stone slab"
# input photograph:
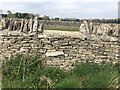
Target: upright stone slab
(90, 28)
(95, 29)
(0, 25)
(25, 28)
(22, 25)
(116, 30)
(15, 25)
(40, 28)
(86, 27)
(3, 23)
(30, 25)
(35, 26)
(99, 30)
(19, 25)
(82, 29)
(10, 26)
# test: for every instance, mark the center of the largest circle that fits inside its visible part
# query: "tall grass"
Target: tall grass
(24, 71)
(96, 76)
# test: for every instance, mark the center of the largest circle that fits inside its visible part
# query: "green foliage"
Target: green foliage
(70, 82)
(96, 76)
(19, 15)
(56, 19)
(24, 71)
(45, 17)
(55, 74)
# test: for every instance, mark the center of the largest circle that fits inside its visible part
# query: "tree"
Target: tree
(56, 19)
(19, 15)
(9, 13)
(46, 17)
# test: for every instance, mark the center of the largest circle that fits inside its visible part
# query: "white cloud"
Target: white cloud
(64, 8)
(71, 1)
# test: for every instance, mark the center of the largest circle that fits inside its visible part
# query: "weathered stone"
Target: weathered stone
(35, 26)
(40, 28)
(95, 29)
(116, 30)
(90, 28)
(4, 23)
(41, 36)
(54, 53)
(25, 29)
(22, 25)
(31, 25)
(82, 29)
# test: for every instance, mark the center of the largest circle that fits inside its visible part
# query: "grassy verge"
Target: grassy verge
(29, 72)
(62, 29)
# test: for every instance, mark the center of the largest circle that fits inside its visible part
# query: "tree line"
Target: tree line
(45, 17)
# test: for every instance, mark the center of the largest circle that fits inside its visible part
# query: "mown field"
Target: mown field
(24, 71)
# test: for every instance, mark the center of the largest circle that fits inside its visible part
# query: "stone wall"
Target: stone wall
(61, 24)
(27, 36)
(100, 29)
(22, 25)
(60, 51)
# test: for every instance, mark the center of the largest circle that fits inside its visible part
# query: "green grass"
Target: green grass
(25, 71)
(61, 29)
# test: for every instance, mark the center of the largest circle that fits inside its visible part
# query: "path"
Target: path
(75, 34)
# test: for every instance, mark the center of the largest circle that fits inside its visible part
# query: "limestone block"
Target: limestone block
(10, 26)
(30, 25)
(35, 26)
(40, 28)
(23, 42)
(90, 28)
(54, 53)
(15, 24)
(25, 28)
(41, 36)
(26, 45)
(22, 25)
(4, 23)
(82, 29)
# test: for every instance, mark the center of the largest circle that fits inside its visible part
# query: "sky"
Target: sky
(81, 9)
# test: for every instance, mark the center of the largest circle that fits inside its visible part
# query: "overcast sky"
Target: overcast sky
(64, 8)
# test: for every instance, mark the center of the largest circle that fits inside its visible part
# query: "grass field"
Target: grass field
(62, 29)
(29, 72)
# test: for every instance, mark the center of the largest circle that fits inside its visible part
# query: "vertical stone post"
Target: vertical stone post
(10, 26)
(0, 19)
(30, 25)
(35, 26)
(90, 27)
(22, 25)
(40, 28)
(86, 27)
(25, 28)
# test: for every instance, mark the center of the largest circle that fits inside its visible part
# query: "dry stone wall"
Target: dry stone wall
(60, 24)
(62, 51)
(27, 36)
(22, 25)
(102, 29)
